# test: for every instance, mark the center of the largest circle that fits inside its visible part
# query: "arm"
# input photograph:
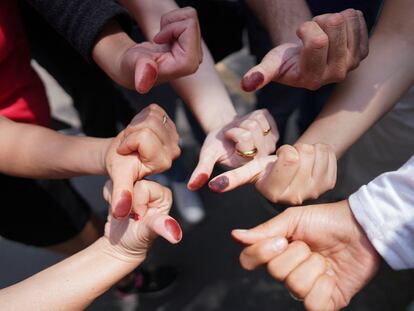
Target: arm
(37, 152)
(75, 282)
(73, 20)
(385, 210)
(210, 102)
(308, 53)
(281, 18)
(72, 284)
(374, 87)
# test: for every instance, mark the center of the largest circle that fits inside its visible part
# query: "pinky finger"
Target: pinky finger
(320, 296)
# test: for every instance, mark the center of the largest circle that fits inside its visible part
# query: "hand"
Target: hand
(175, 52)
(327, 261)
(147, 146)
(295, 174)
(255, 130)
(131, 238)
(332, 45)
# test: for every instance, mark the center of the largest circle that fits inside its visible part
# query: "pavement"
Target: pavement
(210, 276)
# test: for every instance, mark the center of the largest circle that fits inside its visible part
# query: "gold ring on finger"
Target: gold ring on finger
(267, 132)
(250, 154)
(165, 120)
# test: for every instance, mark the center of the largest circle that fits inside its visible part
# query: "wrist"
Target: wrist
(102, 157)
(110, 47)
(116, 252)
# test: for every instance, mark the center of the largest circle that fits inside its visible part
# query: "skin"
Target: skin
(296, 173)
(242, 134)
(323, 50)
(320, 252)
(367, 94)
(210, 103)
(91, 272)
(36, 152)
(174, 52)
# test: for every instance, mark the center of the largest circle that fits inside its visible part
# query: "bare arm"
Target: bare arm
(281, 18)
(375, 87)
(203, 91)
(37, 152)
(75, 282)
(71, 284)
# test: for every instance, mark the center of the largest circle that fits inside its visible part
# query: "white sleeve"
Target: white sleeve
(385, 210)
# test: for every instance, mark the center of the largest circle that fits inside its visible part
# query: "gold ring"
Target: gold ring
(247, 154)
(266, 132)
(165, 120)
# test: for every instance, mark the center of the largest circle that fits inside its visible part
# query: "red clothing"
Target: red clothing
(22, 94)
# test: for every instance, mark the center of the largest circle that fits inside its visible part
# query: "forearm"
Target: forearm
(203, 92)
(80, 21)
(281, 18)
(36, 152)
(71, 284)
(385, 209)
(372, 89)
(108, 50)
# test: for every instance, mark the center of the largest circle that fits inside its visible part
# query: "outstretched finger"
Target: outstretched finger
(146, 74)
(203, 170)
(268, 70)
(246, 174)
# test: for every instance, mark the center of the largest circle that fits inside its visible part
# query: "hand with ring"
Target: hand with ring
(319, 251)
(147, 146)
(244, 139)
(295, 174)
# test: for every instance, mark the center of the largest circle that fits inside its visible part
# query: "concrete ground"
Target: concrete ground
(210, 276)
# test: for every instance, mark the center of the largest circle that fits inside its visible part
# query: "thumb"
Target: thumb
(203, 170)
(263, 73)
(123, 181)
(246, 174)
(282, 226)
(146, 73)
(165, 226)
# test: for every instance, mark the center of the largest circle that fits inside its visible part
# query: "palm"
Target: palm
(333, 233)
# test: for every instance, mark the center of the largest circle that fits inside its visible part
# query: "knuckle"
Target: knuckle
(338, 74)
(322, 147)
(245, 136)
(289, 154)
(191, 11)
(313, 85)
(296, 286)
(275, 271)
(335, 19)
(319, 41)
(305, 27)
(305, 148)
(301, 247)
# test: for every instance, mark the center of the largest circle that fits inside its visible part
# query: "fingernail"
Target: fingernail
(252, 81)
(174, 229)
(148, 78)
(279, 244)
(219, 184)
(199, 181)
(136, 216)
(236, 239)
(124, 205)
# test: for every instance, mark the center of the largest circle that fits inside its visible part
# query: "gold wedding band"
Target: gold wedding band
(266, 132)
(165, 120)
(247, 154)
